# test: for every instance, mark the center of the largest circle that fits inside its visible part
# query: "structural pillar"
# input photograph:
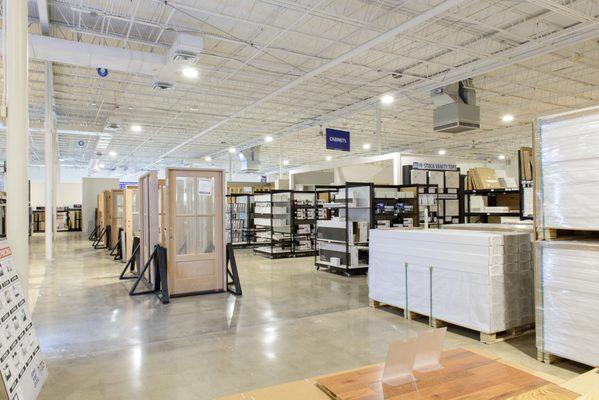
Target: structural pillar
(49, 157)
(17, 127)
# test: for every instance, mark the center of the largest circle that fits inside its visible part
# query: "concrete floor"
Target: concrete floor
(292, 322)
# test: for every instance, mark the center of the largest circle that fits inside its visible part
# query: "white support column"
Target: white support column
(17, 126)
(49, 156)
(397, 171)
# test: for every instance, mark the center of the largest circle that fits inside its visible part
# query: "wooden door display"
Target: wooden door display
(196, 243)
(148, 219)
(131, 218)
(100, 213)
(117, 214)
(108, 217)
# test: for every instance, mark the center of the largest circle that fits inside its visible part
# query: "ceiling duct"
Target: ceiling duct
(250, 160)
(455, 108)
(186, 48)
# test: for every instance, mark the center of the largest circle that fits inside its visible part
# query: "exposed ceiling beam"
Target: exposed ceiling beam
(429, 14)
(42, 11)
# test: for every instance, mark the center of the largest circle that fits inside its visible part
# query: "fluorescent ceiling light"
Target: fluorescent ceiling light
(190, 72)
(387, 99)
(268, 139)
(501, 157)
(285, 162)
(442, 152)
(232, 150)
(507, 118)
(112, 154)
(208, 158)
(328, 158)
(366, 146)
(136, 128)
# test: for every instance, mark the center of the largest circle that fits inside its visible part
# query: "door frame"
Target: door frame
(148, 219)
(169, 215)
(130, 190)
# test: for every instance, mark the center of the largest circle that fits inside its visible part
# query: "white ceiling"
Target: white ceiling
(527, 58)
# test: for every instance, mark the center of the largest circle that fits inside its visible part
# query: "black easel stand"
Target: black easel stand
(117, 250)
(161, 282)
(133, 260)
(232, 272)
(94, 235)
(103, 232)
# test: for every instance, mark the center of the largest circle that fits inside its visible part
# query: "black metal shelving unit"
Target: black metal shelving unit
(345, 266)
(524, 186)
(398, 213)
(240, 236)
(491, 195)
(305, 205)
(279, 237)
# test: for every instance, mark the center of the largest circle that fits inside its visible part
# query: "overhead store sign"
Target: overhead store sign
(438, 166)
(337, 140)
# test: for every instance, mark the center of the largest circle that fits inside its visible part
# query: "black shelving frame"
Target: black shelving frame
(414, 214)
(347, 270)
(248, 231)
(522, 185)
(491, 195)
(295, 222)
(273, 241)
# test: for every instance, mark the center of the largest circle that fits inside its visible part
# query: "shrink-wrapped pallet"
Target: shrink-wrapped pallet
(567, 299)
(478, 280)
(567, 179)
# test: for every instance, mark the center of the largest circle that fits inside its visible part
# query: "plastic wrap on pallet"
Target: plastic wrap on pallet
(567, 299)
(478, 280)
(568, 170)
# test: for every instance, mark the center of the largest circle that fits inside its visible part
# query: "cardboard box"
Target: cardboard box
(484, 178)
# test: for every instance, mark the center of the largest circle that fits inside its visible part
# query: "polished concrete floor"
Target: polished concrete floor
(292, 322)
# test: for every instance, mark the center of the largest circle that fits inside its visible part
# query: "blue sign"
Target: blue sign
(123, 185)
(337, 140)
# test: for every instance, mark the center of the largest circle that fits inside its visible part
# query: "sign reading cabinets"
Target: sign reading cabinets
(22, 366)
(337, 140)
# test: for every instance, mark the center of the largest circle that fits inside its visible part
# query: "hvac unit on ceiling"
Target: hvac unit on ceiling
(455, 108)
(186, 48)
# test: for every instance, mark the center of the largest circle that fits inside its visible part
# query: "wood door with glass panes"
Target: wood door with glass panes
(131, 219)
(148, 219)
(196, 245)
(100, 212)
(117, 210)
(108, 216)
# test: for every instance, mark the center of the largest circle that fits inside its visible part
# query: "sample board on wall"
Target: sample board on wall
(24, 370)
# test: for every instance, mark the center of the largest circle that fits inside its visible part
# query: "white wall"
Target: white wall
(67, 194)
(380, 173)
(90, 189)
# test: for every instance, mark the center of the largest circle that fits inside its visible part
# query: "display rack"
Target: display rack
(526, 182)
(68, 219)
(342, 240)
(495, 198)
(450, 189)
(395, 206)
(239, 219)
(2, 214)
(303, 223)
(273, 215)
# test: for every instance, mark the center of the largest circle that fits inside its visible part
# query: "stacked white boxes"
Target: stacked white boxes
(567, 271)
(567, 299)
(478, 280)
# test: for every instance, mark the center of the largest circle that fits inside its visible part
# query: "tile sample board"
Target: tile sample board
(464, 375)
(24, 370)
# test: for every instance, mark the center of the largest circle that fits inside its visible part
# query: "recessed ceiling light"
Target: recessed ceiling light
(136, 128)
(507, 118)
(387, 99)
(208, 158)
(112, 154)
(232, 150)
(328, 158)
(190, 72)
(285, 162)
(96, 168)
(501, 156)
(442, 152)
(268, 139)
(366, 146)
(101, 165)
(193, 108)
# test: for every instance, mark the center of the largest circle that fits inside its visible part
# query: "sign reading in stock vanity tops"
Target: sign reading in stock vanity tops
(337, 139)
(22, 366)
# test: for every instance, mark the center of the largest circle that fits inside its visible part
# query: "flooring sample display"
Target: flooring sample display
(478, 280)
(567, 299)
(464, 375)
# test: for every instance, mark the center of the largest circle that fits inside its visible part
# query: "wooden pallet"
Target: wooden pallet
(564, 234)
(547, 358)
(487, 338)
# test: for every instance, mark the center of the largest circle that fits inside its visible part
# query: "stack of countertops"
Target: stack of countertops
(478, 280)
(568, 183)
(567, 299)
